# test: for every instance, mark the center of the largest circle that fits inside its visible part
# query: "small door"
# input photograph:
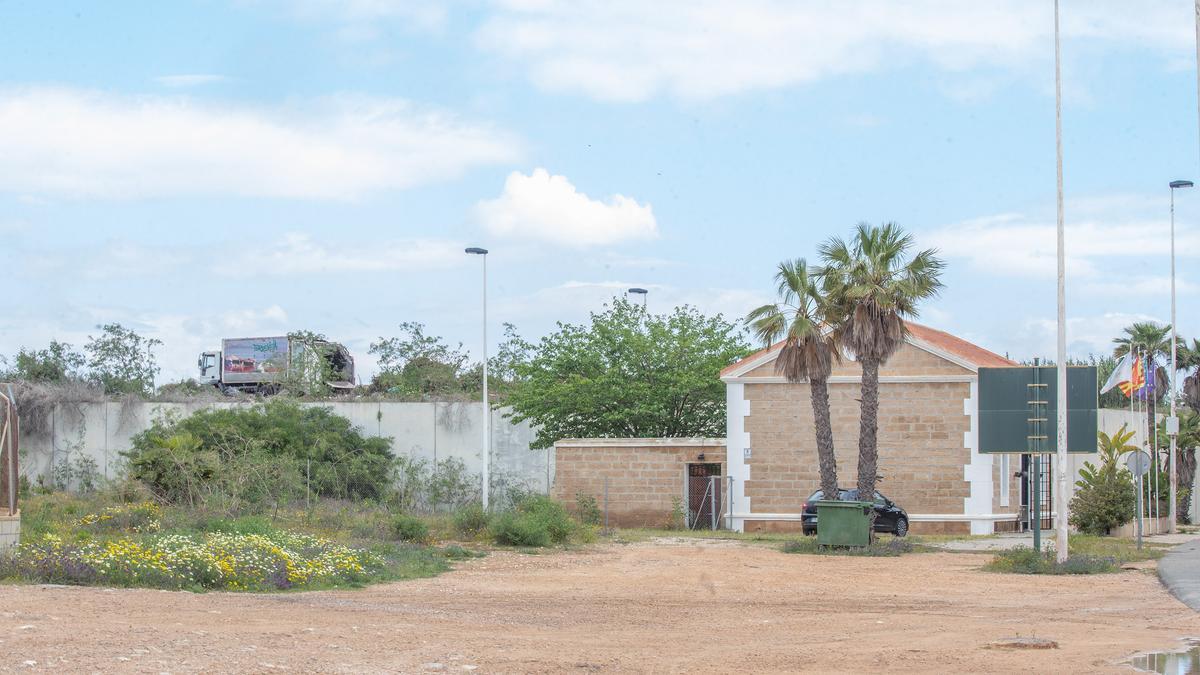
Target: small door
(703, 492)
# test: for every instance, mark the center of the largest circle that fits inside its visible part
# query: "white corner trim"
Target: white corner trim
(736, 410)
(978, 471)
(856, 379)
(640, 442)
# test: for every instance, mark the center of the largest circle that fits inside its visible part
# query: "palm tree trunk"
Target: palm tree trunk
(1185, 467)
(868, 427)
(819, 393)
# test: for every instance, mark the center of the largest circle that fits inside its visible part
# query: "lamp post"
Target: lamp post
(1173, 423)
(487, 421)
(642, 292)
(1060, 522)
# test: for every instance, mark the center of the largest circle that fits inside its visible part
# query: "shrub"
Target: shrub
(1107, 502)
(536, 520)
(264, 454)
(470, 520)
(1024, 560)
(888, 548)
(409, 528)
(589, 510)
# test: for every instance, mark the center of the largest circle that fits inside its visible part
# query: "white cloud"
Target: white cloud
(549, 208)
(90, 144)
(1085, 334)
(1015, 245)
(189, 80)
(298, 253)
(631, 50)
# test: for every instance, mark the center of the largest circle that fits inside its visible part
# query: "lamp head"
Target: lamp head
(475, 250)
(638, 291)
(1181, 184)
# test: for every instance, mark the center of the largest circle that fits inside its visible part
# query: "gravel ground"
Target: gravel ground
(664, 606)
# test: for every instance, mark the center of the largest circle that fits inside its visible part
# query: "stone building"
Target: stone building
(761, 477)
(928, 461)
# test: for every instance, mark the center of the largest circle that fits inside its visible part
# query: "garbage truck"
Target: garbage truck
(264, 365)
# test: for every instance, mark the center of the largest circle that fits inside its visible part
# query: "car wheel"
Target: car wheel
(901, 527)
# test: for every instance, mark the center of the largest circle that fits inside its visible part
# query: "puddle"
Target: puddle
(1182, 662)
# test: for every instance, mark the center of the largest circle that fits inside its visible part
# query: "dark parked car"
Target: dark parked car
(888, 516)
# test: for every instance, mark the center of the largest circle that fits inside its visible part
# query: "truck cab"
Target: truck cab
(210, 368)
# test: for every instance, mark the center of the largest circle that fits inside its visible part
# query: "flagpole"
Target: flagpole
(1061, 459)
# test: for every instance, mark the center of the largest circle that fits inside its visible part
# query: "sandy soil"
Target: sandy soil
(663, 606)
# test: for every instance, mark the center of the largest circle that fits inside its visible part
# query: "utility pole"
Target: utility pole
(1060, 521)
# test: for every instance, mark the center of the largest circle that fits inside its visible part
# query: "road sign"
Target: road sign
(1138, 463)
(1018, 409)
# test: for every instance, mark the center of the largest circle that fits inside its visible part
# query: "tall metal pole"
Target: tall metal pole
(487, 412)
(1171, 478)
(1060, 521)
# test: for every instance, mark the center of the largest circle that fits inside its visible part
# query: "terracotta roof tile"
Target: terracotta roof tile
(942, 340)
(958, 346)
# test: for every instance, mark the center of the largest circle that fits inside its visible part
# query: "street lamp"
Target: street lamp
(1173, 423)
(487, 422)
(642, 292)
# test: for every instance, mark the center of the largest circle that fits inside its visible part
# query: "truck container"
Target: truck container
(265, 364)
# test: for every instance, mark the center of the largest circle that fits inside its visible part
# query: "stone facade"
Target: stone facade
(921, 448)
(10, 531)
(645, 475)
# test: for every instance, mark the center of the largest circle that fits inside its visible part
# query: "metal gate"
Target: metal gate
(9, 448)
(704, 496)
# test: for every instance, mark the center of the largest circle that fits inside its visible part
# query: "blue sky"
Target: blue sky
(199, 170)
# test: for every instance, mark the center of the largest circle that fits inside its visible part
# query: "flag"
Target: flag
(1146, 391)
(1121, 375)
(1137, 378)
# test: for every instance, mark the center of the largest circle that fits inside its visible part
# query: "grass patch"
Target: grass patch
(1024, 560)
(889, 547)
(1089, 554)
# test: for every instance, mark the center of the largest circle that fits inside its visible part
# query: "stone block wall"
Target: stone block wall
(645, 475)
(921, 446)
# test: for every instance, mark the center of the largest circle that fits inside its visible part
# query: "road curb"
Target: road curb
(1179, 571)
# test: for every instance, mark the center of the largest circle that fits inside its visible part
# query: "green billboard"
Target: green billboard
(1018, 409)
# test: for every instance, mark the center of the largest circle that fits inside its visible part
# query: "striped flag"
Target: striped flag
(1121, 375)
(1137, 378)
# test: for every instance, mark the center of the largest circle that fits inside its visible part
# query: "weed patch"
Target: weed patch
(887, 548)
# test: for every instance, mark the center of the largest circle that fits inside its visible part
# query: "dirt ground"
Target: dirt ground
(666, 606)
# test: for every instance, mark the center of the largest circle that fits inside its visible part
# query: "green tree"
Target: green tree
(1188, 358)
(416, 364)
(876, 286)
(628, 373)
(57, 363)
(806, 321)
(122, 361)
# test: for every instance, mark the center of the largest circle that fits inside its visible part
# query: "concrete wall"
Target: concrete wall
(433, 431)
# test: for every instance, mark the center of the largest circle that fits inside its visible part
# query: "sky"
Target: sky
(223, 168)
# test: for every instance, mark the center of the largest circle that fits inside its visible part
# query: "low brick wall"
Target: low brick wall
(645, 475)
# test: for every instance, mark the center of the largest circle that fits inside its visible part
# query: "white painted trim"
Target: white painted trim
(748, 364)
(856, 379)
(978, 470)
(736, 410)
(640, 442)
(912, 517)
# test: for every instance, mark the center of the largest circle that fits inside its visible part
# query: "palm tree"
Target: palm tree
(1155, 341)
(1189, 361)
(805, 320)
(876, 286)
